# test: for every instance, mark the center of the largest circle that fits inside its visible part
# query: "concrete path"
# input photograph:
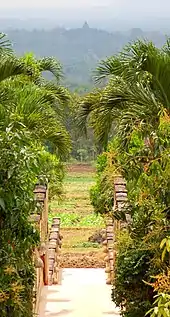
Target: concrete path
(82, 293)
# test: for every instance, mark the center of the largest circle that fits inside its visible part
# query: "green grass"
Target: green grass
(85, 245)
(77, 178)
(75, 209)
(78, 221)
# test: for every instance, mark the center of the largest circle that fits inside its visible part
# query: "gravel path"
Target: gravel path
(82, 293)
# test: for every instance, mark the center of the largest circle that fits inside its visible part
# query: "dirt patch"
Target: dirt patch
(81, 260)
(78, 252)
(78, 238)
(80, 168)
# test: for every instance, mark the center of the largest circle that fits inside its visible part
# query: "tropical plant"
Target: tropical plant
(19, 168)
(134, 108)
(52, 173)
(33, 140)
(136, 94)
(162, 306)
(29, 102)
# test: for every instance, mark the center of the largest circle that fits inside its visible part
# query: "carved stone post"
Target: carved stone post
(54, 250)
(120, 201)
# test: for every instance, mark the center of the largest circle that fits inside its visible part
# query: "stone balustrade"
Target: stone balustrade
(54, 252)
(112, 225)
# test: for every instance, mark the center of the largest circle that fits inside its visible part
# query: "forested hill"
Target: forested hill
(79, 49)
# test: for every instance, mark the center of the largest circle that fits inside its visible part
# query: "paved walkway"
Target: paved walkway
(82, 293)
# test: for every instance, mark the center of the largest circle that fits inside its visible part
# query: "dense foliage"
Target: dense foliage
(33, 140)
(19, 167)
(135, 107)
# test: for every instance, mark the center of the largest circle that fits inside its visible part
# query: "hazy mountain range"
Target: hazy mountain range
(55, 28)
(79, 49)
(115, 24)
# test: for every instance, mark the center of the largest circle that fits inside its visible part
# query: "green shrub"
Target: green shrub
(18, 237)
(21, 162)
(129, 291)
(53, 173)
(146, 168)
(101, 194)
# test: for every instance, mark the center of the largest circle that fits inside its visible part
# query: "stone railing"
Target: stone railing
(40, 256)
(108, 249)
(46, 256)
(120, 200)
(54, 252)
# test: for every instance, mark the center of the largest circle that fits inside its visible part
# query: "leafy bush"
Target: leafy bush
(129, 292)
(134, 105)
(146, 169)
(21, 162)
(162, 306)
(101, 194)
(30, 125)
(18, 237)
(52, 173)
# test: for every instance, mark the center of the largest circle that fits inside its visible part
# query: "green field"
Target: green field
(75, 209)
(78, 220)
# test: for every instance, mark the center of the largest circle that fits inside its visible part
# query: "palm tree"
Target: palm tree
(39, 68)
(10, 65)
(136, 94)
(28, 108)
(27, 101)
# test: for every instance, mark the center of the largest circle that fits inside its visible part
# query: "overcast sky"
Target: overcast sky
(157, 8)
(152, 5)
(56, 3)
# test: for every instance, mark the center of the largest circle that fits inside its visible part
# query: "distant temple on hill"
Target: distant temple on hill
(86, 26)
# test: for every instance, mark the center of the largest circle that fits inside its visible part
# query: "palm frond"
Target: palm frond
(152, 63)
(11, 66)
(112, 66)
(108, 109)
(59, 94)
(87, 105)
(129, 64)
(5, 45)
(166, 47)
(52, 65)
(28, 108)
(101, 108)
(142, 112)
(59, 141)
(158, 65)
